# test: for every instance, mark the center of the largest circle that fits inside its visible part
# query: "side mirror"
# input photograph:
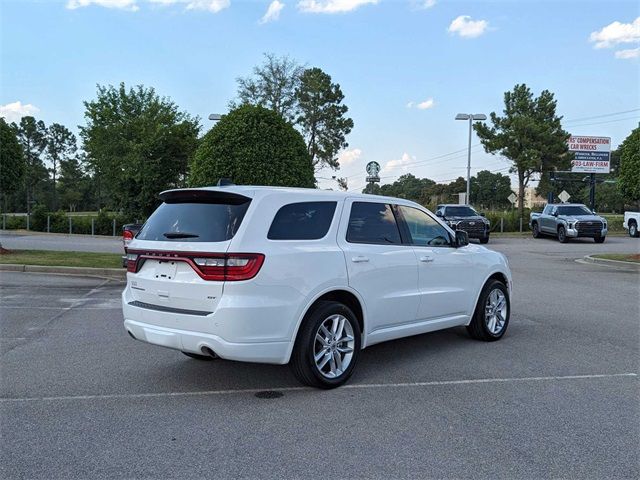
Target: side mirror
(438, 213)
(462, 239)
(482, 214)
(555, 214)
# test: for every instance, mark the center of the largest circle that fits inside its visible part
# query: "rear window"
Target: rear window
(372, 223)
(194, 222)
(302, 221)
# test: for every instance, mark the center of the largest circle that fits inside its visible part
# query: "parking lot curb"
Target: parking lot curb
(613, 263)
(114, 273)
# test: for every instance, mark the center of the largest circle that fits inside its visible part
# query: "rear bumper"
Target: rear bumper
(194, 342)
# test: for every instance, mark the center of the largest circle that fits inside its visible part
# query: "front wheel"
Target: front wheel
(327, 347)
(484, 240)
(562, 235)
(491, 317)
(599, 239)
(633, 229)
(535, 231)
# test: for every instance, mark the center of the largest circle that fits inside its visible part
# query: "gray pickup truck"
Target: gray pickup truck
(568, 220)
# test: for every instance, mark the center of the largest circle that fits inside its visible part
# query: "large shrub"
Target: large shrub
(252, 146)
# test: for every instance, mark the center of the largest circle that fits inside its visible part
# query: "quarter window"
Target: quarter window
(302, 221)
(424, 230)
(372, 223)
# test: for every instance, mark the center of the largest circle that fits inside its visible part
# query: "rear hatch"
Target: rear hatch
(179, 260)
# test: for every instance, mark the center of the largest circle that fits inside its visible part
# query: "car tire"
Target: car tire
(535, 231)
(562, 235)
(633, 229)
(491, 316)
(332, 328)
(204, 358)
(599, 239)
(484, 240)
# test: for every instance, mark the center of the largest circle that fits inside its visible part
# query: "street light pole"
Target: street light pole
(471, 117)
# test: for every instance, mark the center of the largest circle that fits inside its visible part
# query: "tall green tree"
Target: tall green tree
(490, 190)
(61, 146)
(74, 187)
(273, 86)
(252, 145)
(32, 136)
(12, 163)
(322, 117)
(138, 143)
(529, 133)
(629, 172)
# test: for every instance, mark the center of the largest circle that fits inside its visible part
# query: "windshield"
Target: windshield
(461, 211)
(574, 210)
(193, 222)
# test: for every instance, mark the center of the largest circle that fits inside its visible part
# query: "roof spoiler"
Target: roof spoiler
(203, 196)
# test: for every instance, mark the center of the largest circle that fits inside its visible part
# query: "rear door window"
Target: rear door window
(372, 223)
(302, 221)
(194, 222)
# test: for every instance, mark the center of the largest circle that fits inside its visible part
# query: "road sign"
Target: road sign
(373, 168)
(564, 196)
(512, 198)
(591, 154)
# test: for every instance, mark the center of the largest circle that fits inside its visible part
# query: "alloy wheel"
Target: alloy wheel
(334, 345)
(495, 311)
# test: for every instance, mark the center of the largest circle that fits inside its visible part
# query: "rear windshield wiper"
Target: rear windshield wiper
(180, 235)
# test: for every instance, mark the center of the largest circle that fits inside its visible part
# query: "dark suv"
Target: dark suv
(464, 217)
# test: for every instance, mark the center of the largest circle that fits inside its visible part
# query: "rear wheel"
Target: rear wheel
(204, 358)
(562, 235)
(599, 239)
(535, 231)
(327, 347)
(633, 229)
(491, 317)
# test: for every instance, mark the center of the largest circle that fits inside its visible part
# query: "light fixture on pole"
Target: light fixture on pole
(471, 117)
(215, 117)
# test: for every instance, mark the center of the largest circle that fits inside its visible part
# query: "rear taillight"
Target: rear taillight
(127, 235)
(132, 260)
(229, 267)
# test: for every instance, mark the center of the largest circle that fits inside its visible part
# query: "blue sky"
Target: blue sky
(390, 57)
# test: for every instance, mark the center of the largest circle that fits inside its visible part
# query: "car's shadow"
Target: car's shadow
(381, 363)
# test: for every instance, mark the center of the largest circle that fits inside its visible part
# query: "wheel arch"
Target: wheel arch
(344, 295)
(494, 275)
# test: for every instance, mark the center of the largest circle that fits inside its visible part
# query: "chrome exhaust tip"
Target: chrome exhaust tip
(207, 351)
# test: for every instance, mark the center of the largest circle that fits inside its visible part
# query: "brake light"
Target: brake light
(127, 235)
(229, 267)
(132, 260)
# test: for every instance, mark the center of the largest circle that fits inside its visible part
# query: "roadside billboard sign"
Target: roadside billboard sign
(591, 154)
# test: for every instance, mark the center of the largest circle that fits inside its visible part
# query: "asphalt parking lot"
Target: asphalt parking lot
(557, 397)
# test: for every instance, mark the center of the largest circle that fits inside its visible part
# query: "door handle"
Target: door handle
(426, 259)
(359, 259)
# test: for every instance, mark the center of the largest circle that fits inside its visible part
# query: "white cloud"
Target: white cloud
(121, 4)
(349, 157)
(394, 166)
(273, 12)
(468, 28)
(428, 103)
(626, 54)
(424, 4)
(13, 112)
(332, 6)
(616, 33)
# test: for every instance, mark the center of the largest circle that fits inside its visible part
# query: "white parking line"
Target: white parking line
(297, 389)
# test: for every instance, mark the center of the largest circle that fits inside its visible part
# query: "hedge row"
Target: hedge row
(59, 222)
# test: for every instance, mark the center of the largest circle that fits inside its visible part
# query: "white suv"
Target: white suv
(306, 277)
